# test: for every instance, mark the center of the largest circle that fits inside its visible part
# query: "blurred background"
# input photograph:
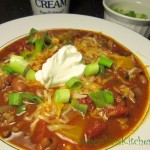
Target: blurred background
(13, 9)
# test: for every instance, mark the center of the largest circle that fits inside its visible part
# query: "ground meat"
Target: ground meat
(15, 129)
(7, 118)
(143, 79)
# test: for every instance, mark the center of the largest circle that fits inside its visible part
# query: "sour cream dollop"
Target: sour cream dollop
(63, 65)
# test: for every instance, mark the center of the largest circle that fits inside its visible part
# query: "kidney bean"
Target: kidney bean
(48, 143)
(6, 134)
(18, 84)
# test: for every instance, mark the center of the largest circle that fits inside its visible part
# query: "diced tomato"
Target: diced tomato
(117, 111)
(87, 100)
(96, 130)
(39, 132)
(113, 46)
(19, 46)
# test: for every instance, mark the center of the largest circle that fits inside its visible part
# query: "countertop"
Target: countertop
(13, 9)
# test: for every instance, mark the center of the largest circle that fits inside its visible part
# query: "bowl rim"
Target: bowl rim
(53, 21)
(123, 16)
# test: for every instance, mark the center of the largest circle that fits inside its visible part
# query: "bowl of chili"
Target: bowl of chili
(70, 86)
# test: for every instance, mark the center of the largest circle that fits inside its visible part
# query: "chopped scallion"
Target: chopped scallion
(105, 61)
(109, 96)
(74, 83)
(15, 99)
(32, 37)
(81, 107)
(33, 31)
(7, 69)
(130, 13)
(62, 96)
(91, 69)
(31, 97)
(98, 99)
(30, 74)
(47, 41)
(142, 16)
(18, 64)
(27, 54)
(21, 109)
(39, 45)
(101, 69)
(102, 98)
(39, 41)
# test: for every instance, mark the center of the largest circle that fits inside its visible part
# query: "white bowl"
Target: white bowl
(137, 140)
(141, 26)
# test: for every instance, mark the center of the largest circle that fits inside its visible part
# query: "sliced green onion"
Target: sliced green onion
(142, 16)
(47, 41)
(81, 107)
(31, 97)
(91, 69)
(105, 61)
(21, 109)
(39, 45)
(98, 99)
(74, 83)
(7, 69)
(109, 96)
(27, 54)
(102, 98)
(32, 37)
(30, 74)
(130, 13)
(15, 99)
(101, 69)
(33, 31)
(62, 96)
(18, 64)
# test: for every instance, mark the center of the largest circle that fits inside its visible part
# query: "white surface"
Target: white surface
(132, 40)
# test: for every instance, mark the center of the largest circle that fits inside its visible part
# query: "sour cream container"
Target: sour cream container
(49, 6)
